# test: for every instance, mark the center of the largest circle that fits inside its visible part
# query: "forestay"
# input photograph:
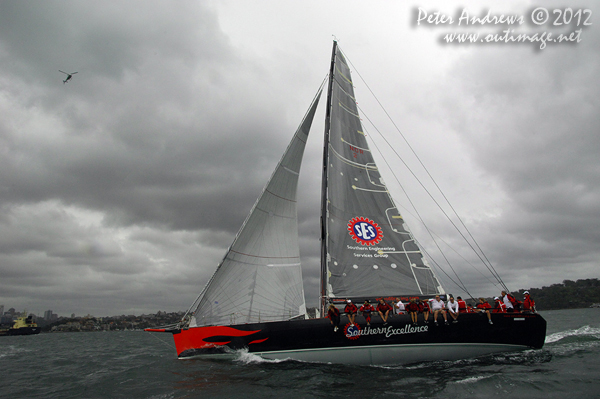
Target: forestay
(368, 251)
(260, 277)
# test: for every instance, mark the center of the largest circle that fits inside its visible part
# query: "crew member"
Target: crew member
(399, 306)
(508, 302)
(424, 308)
(499, 306)
(384, 310)
(334, 316)
(462, 305)
(452, 307)
(413, 310)
(350, 310)
(483, 306)
(528, 303)
(437, 306)
(366, 310)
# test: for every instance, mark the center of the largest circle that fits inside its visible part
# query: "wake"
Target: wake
(585, 331)
(243, 356)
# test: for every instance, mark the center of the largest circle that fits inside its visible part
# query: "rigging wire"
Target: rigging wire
(479, 251)
(164, 342)
(461, 285)
(438, 205)
(460, 255)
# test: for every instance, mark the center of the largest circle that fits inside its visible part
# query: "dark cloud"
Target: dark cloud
(530, 120)
(129, 182)
(156, 125)
(159, 129)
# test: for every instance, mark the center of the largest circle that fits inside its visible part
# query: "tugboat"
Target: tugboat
(24, 325)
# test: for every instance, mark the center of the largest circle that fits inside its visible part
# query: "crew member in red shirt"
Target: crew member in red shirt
(351, 310)
(499, 307)
(384, 310)
(528, 303)
(424, 308)
(413, 309)
(483, 306)
(462, 305)
(334, 316)
(366, 310)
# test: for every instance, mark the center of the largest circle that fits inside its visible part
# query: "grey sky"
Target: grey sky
(121, 190)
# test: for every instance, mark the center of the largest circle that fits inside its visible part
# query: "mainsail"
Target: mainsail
(367, 250)
(260, 277)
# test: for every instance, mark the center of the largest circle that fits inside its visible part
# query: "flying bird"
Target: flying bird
(69, 76)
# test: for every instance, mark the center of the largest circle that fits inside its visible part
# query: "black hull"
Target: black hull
(21, 331)
(398, 342)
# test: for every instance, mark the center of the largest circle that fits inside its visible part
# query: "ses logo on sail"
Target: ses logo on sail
(364, 231)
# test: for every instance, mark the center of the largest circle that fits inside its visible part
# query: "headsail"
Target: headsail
(367, 248)
(260, 278)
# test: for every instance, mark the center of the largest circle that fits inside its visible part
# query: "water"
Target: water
(143, 365)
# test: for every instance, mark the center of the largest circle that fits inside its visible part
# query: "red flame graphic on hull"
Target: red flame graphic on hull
(195, 338)
(258, 341)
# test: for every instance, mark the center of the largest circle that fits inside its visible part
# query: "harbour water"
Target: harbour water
(137, 364)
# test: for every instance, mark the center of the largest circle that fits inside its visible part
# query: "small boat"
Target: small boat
(24, 325)
(255, 299)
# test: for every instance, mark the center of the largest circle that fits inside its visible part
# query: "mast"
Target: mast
(324, 184)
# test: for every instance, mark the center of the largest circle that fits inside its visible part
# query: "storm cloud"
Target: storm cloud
(121, 190)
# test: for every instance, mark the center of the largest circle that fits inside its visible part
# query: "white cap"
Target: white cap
(526, 292)
(496, 298)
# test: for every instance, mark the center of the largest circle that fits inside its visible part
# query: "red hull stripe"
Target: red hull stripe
(258, 341)
(194, 338)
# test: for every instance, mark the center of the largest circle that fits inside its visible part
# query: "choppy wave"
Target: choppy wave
(11, 350)
(471, 380)
(585, 331)
(574, 342)
(246, 357)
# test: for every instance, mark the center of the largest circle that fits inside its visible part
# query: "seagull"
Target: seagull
(69, 76)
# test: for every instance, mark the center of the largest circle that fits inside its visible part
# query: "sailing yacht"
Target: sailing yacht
(255, 299)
